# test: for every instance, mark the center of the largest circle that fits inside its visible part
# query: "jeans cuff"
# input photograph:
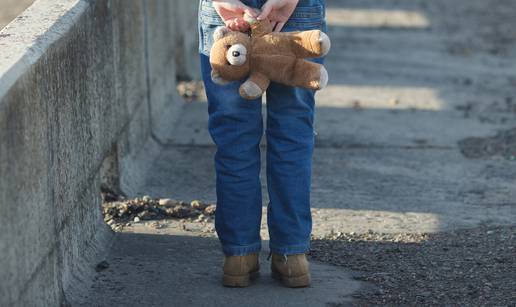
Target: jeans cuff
(241, 250)
(290, 249)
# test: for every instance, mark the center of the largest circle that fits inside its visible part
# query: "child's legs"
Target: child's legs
(290, 143)
(236, 127)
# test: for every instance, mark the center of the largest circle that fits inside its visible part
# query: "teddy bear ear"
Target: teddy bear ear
(220, 32)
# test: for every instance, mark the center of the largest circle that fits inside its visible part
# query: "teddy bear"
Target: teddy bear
(265, 56)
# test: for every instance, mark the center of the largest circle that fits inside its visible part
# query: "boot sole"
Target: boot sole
(241, 281)
(293, 282)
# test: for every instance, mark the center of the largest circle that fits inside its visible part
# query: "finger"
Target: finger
(251, 12)
(244, 9)
(242, 25)
(266, 10)
(232, 25)
(274, 23)
(240, 22)
(279, 26)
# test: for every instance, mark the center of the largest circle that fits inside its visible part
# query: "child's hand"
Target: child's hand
(278, 12)
(232, 13)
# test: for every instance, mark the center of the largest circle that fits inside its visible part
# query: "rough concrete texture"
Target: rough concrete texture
(74, 91)
(11, 9)
(409, 81)
(175, 277)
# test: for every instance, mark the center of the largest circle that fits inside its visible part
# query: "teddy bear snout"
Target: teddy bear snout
(237, 55)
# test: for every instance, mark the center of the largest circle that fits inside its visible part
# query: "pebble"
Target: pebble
(121, 212)
(196, 204)
(166, 202)
(210, 210)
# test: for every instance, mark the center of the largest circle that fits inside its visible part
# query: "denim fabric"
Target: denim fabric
(236, 127)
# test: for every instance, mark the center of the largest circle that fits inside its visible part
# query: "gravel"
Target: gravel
(502, 145)
(474, 267)
(191, 90)
(119, 212)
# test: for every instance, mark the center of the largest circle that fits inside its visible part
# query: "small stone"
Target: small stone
(110, 222)
(166, 202)
(101, 266)
(196, 204)
(180, 212)
(145, 215)
(394, 101)
(136, 219)
(147, 198)
(156, 225)
(210, 210)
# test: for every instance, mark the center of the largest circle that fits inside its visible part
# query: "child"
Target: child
(236, 127)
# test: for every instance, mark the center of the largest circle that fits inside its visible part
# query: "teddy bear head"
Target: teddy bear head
(229, 55)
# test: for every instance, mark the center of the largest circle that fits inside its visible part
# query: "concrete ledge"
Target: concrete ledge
(80, 82)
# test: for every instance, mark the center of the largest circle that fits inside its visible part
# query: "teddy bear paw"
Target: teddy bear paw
(323, 79)
(325, 43)
(250, 90)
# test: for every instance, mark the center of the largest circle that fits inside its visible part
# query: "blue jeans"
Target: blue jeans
(236, 127)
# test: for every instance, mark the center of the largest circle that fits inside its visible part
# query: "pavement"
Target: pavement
(409, 82)
(9, 9)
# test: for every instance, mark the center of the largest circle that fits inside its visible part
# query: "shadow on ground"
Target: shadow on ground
(461, 268)
(165, 270)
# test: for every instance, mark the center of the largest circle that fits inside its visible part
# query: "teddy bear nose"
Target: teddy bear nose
(236, 54)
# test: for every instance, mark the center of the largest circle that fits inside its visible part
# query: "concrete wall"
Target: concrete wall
(81, 83)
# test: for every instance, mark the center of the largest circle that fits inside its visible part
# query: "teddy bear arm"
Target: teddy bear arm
(309, 75)
(308, 44)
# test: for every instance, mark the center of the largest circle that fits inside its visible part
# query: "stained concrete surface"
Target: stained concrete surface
(179, 270)
(9, 9)
(408, 81)
(73, 92)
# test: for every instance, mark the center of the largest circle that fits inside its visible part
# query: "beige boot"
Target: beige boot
(238, 270)
(292, 270)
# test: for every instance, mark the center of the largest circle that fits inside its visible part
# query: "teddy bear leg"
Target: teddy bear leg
(310, 44)
(255, 86)
(250, 90)
(310, 75)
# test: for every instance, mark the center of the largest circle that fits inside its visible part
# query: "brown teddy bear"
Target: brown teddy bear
(266, 56)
